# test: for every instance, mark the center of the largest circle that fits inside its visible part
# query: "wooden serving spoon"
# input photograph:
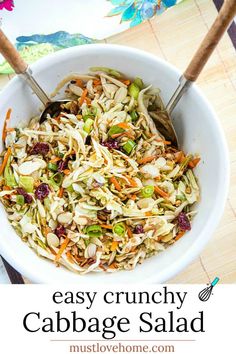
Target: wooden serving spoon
(21, 68)
(200, 58)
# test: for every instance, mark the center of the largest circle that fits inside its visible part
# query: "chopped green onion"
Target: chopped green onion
(27, 183)
(147, 191)
(52, 166)
(20, 200)
(134, 90)
(119, 229)
(167, 206)
(40, 243)
(70, 189)
(129, 145)
(138, 82)
(94, 230)
(56, 179)
(181, 197)
(47, 203)
(86, 242)
(88, 116)
(88, 125)
(134, 116)
(115, 129)
(9, 176)
(185, 162)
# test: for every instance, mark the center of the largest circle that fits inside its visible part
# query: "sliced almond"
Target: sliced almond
(109, 90)
(28, 167)
(90, 251)
(121, 94)
(76, 90)
(80, 220)
(65, 218)
(52, 240)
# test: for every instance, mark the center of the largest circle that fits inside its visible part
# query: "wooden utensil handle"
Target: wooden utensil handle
(223, 20)
(11, 54)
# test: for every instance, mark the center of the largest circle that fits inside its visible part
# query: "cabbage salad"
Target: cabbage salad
(96, 187)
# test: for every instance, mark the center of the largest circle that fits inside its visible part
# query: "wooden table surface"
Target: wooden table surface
(174, 36)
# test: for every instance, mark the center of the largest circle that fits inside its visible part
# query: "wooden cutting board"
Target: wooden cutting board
(174, 36)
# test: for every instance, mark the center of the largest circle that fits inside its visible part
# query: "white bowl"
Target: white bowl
(198, 131)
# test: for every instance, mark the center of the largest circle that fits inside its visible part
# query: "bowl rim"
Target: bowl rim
(195, 249)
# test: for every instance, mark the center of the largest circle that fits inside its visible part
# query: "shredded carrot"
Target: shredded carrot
(182, 158)
(114, 245)
(114, 136)
(60, 193)
(79, 83)
(82, 98)
(194, 162)
(5, 159)
(88, 100)
(133, 196)
(126, 82)
(52, 250)
(58, 118)
(7, 196)
(132, 182)
(96, 82)
(62, 249)
(4, 132)
(148, 213)
(123, 125)
(164, 141)
(6, 188)
(159, 191)
(130, 135)
(46, 230)
(129, 232)
(179, 156)
(113, 265)
(147, 159)
(55, 159)
(179, 235)
(66, 172)
(105, 226)
(69, 257)
(116, 183)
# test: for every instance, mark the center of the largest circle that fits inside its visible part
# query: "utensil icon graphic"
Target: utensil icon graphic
(205, 294)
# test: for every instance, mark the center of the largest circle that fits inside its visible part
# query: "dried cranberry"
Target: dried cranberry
(63, 164)
(42, 191)
(111, 144)
(138, 229)
(183, 221)
(40, 149)
(28, 198)
(60, 230)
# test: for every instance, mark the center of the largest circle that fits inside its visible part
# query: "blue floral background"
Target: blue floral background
(137, 11)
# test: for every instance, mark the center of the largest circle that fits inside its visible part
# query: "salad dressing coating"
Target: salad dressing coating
(97, 187)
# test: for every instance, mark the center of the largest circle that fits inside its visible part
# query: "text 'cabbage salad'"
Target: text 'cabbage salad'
(97, 187)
